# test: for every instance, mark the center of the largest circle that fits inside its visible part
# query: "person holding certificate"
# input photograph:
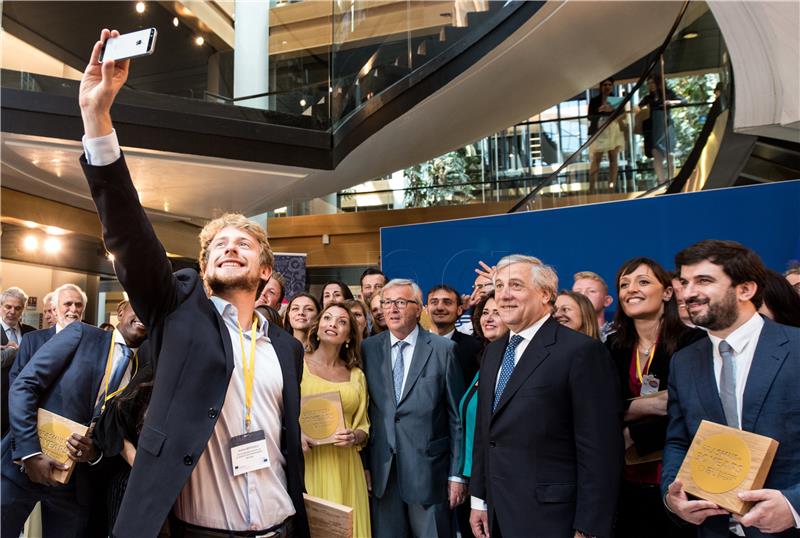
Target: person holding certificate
(332, 365)
(648, 332)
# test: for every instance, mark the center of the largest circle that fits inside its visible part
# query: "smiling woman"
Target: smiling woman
(648, 332)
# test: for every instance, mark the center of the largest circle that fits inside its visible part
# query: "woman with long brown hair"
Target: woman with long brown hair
(648, 332)
(333, 364)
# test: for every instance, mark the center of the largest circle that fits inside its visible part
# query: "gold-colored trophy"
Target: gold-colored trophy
(723, 461)
(321, 415)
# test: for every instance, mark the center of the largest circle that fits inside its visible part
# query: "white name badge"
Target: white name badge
(249, 452)
(650, 385)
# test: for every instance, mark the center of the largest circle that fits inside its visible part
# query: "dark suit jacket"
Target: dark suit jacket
(771, 407)
(31, 345)
(468, 350)
(422, 433)
(649, 433)
(64, 377)
(194, 362)
(549, 459)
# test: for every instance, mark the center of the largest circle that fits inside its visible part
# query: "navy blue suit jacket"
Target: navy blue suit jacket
(64, 377)
(5, 383)
(771, 407)
(193, 358)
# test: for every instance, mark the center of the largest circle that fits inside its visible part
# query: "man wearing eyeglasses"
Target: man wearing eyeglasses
(414, 384)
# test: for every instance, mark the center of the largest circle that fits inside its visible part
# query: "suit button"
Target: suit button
(492, 444)
(187, 460)
(212, 413)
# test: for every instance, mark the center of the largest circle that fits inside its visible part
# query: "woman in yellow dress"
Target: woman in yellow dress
(334, 471)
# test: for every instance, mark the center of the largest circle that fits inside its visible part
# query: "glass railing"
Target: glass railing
(323, 60)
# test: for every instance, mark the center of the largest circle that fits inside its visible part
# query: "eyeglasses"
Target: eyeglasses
(401, 304)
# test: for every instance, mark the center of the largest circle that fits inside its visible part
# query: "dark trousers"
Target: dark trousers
(642, 512)
(462, 513)
(62, 516)
(394, 518)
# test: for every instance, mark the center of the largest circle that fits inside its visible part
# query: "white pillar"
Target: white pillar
(251, 54)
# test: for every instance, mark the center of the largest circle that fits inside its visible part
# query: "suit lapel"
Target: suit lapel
(385, 364)
(769, 356)
(226, 339)
(706, 384)
(422, 352)
(534, 355)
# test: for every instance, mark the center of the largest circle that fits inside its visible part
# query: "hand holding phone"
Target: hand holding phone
(127, 46)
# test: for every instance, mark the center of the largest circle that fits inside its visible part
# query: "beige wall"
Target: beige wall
(39, 280)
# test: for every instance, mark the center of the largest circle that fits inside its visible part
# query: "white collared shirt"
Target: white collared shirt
(258, 500)
(103, 150)
(117, 355)
(527, 335)
(743, 341)
(17, 331)
(408, 352)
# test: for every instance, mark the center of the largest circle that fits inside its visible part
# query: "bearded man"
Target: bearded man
(744, 375)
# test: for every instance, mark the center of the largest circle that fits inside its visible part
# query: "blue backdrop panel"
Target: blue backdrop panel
(599, 237)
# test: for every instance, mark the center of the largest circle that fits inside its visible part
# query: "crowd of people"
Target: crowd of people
(548, 420)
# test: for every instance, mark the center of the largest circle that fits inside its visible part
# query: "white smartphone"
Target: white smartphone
(132, 45)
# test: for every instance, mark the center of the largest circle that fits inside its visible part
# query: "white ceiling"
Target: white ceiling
(565, 48)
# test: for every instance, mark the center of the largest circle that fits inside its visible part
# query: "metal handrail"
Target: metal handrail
(614, 115)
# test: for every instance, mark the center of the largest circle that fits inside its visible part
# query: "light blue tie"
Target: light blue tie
(507, 368)
(727, 385)
(12, 335)
(397, 370)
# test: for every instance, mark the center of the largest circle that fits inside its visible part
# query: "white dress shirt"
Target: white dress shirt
(17, 331)
(527, 335)
(408, 352)
(743, 341)
(102, 150)
(213, 497)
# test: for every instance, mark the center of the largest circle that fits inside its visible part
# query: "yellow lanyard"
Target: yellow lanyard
(249, 370)
(649, 360)
(109, 366)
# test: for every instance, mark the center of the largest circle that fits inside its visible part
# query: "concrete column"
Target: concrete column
(251, 54)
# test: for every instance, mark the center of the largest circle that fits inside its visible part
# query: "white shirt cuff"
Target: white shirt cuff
(794, 513)
(456, 479)
(30, 456)
(478, 504)
(103, 150)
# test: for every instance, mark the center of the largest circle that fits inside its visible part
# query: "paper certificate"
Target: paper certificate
(321, 415)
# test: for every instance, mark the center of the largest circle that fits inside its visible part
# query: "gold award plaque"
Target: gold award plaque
(321, 415)
(720, 463)
(52, 436)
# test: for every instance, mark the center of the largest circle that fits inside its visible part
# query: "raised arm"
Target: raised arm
(140, 261)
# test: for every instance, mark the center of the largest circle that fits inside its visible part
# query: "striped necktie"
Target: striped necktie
(507, 368)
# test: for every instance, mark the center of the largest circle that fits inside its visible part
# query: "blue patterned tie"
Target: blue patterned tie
(727, 385)
(397, 370)
(507, 368)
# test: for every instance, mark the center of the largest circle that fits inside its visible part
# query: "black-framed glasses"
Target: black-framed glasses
(401, 304)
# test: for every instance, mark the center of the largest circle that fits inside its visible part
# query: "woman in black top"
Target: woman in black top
(659, 135)
(648, 332)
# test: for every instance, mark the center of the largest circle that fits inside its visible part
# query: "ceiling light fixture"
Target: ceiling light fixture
(140, 7)
(52, 245)
(30, 243)
(302, 102)
(30, 224)
(690, 35)
(199, 41)
(55, 230)
(175, 22)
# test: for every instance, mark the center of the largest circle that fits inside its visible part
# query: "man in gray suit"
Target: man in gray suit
(414, 383)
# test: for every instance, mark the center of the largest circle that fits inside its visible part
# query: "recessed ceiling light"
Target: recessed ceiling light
(175, 22)
(140, 7)
(302, 102)
(30, 243)
(690, 35)
(55, 230)
(199, 41)
(52, 245)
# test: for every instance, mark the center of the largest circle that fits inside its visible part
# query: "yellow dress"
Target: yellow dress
(336, 473)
